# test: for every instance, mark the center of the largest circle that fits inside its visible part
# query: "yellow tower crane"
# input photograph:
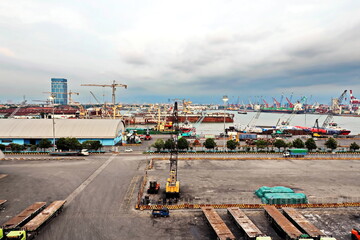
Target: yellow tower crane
(114, 85)
(173, 185)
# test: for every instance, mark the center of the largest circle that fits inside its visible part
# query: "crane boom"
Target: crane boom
(173, 185)
(331, 112)
(95, 97)
(114, 85)
(276, 102)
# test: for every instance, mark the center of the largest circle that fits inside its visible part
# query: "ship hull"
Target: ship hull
(281, 111)
(207, 119)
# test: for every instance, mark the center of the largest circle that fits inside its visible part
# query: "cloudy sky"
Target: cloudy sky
(198, 50)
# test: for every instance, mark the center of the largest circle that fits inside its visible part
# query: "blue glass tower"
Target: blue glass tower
(59, 88)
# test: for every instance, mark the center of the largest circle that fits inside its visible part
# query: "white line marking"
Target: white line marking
(78, 190)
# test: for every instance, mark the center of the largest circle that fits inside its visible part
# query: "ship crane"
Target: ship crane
(114, 85)
(331, 112)
(266, 104)
(276, 103)
(291, 105)
(173, 185)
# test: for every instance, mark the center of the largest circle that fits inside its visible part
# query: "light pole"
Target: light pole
(225, 99)
(52, 98)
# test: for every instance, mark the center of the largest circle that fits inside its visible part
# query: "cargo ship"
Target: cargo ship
(38, 111)
(280, 110)
(326, 131)
(213, 117)
(209, 117)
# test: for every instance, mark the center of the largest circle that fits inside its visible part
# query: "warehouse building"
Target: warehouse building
(31, 131)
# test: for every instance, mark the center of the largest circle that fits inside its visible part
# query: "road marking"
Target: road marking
(2, 175)
(129, 193)
(78, 190)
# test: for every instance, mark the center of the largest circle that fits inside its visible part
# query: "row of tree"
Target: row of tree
(64, 144)
(260, 144)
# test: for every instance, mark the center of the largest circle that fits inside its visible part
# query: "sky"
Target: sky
(197, 50)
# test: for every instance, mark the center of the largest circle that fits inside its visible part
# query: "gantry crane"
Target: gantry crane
(173, 185)
(114, 85)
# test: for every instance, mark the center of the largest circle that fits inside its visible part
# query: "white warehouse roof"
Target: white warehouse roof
(43, 128)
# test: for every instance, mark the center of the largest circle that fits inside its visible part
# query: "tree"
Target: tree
(44, 143)
(279, 143)
(232, 144)
(33, 147)
(261, 144)
(298, 143)
(16, 147)
(183, 143)
(62, 144)
(169, 144)
(96, 145)
(91, 144)
(2, 147)
(289, 145)
(310, 144)
(73, 143)
(158, 144)
(209, 143)
(354, 146)
(331, 143)
(68, 144)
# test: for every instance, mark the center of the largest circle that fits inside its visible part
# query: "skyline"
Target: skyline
(194, 50)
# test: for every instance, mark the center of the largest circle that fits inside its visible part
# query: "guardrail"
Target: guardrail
(248, 206)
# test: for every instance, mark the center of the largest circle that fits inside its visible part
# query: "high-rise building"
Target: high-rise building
(59, 88)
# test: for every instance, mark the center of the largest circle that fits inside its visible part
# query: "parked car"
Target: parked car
(128, 150)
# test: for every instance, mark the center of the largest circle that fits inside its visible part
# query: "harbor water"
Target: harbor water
(270, 119)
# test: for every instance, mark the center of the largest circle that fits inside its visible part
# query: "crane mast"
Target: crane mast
(172, 184)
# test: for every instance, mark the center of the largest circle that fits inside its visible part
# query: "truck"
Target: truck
(30, 229)
(295, 152)
(164, 212)
(154, 187)
(83, 152)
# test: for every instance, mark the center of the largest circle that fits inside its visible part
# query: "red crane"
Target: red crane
(276, 102)
(290, 104)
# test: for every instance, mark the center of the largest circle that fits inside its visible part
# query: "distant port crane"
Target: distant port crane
(114, 85)
(330, 116)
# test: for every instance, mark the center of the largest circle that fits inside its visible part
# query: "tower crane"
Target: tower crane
(114, 85)
(70, 93)
(173, 185)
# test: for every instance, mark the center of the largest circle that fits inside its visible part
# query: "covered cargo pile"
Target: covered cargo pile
(278, 189)
(284, 198)
(280, 195)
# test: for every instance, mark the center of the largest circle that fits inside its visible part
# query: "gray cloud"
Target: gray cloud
(236, 48)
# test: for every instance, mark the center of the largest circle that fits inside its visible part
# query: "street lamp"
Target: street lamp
(52, 99)
(225, 99)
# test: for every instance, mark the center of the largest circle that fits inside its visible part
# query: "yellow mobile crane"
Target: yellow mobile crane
(173, 185)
